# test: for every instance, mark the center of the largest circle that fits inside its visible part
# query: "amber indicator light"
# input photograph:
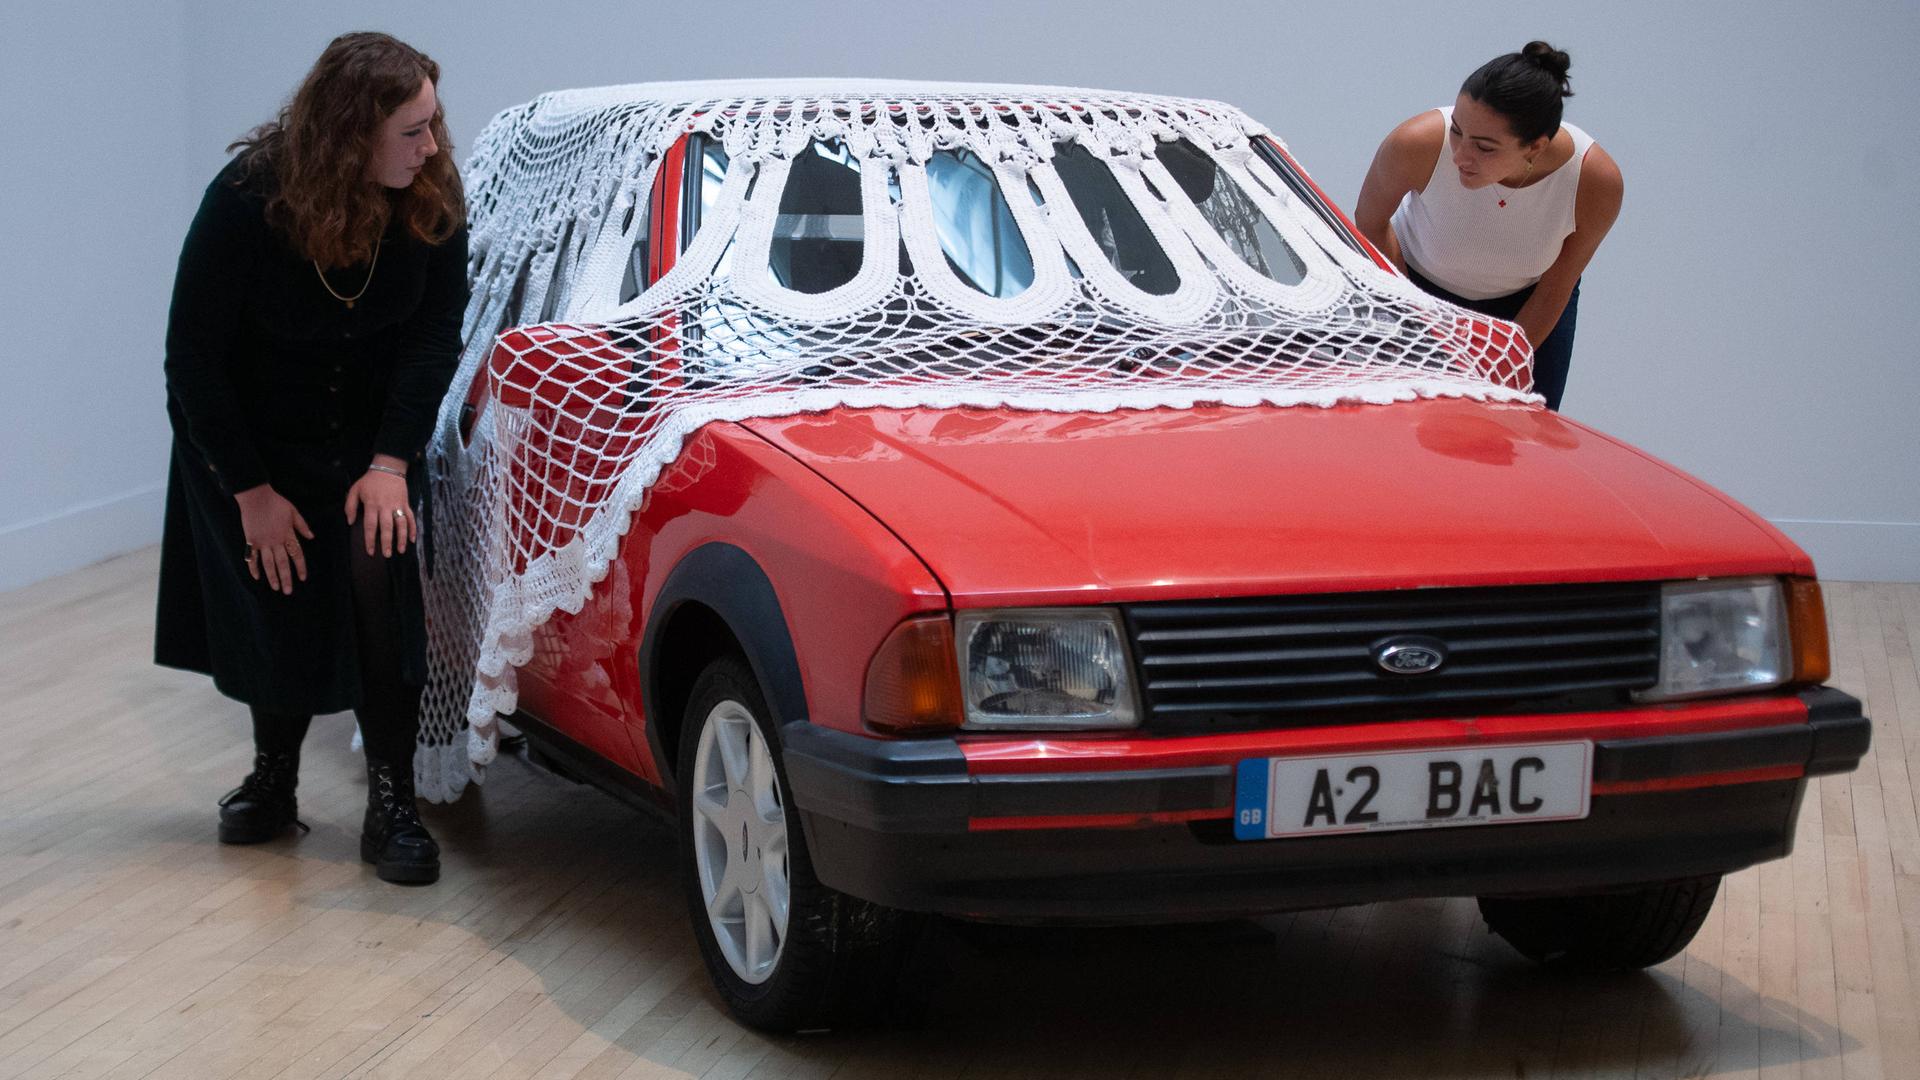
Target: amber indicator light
(1807, 622)
(913, 683)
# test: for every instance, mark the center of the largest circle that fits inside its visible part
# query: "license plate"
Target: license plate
(1411, 789)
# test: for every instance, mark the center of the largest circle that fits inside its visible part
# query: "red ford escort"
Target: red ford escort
(1099, 664)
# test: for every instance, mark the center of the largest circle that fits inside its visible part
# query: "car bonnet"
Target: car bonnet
(1012, 507)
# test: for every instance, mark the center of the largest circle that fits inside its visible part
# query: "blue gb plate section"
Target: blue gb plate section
(1250, 800)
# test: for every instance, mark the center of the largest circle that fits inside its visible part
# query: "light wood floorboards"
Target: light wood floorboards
(556, 945)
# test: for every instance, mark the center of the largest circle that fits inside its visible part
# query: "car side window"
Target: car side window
(510, 316)
(819, 239)
(560, 281)
(718, 329)
(639, 256)
(707, 172)
(699, 178)
(1114, 221)
(1231, 212)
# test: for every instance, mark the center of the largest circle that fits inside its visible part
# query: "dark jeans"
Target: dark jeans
(1551, 358)
(389, 711)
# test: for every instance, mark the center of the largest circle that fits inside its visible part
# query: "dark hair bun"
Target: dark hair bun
(1526, 87)
(1552, 61)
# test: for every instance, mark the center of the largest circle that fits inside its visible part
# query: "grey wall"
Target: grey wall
(1746, 319)
(94, 195)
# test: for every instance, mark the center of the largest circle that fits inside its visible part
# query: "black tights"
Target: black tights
(389, 711)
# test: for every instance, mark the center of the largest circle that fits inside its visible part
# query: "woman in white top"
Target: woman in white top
(1497, 206)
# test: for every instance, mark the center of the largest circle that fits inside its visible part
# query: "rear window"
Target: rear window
(1114, 221)
(1231, 211)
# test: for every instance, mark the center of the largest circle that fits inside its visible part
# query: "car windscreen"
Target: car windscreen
(978, 234)
(820, 235)
(1116, 224)
(1231, 212)
(1303, 190)
(818, 241)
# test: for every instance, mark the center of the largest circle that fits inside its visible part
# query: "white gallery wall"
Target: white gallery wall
(1749, 318)
(95, 194)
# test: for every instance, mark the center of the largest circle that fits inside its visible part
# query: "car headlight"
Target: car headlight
(1044, 669)
(1719, 637)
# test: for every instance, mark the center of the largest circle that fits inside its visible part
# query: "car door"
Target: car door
(583, 678)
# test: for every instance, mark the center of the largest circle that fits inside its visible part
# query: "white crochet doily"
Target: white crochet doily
(598, 392)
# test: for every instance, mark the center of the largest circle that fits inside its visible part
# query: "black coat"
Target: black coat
(272, 380)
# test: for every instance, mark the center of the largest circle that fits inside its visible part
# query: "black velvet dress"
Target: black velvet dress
(272, 380)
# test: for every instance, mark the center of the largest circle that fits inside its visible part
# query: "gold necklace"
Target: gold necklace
(348, 300)
(1523, 181)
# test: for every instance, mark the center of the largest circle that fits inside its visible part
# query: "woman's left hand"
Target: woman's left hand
(381, 498)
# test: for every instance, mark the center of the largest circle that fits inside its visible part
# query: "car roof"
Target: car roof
(695, 92)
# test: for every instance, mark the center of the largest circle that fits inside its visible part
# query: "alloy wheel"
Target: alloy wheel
(740, 841)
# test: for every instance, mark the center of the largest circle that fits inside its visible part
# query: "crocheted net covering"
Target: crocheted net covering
(592, 400)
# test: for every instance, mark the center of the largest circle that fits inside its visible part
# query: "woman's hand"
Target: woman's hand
(379, 501)
(273, 529)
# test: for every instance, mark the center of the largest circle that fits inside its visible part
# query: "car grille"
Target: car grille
(1292, 661)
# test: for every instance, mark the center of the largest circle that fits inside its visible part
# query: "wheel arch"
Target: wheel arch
(717, 599)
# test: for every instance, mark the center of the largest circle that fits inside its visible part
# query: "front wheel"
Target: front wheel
(1618, 931)
(784, 951)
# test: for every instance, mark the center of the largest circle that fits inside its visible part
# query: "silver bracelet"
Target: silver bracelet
(377, 467)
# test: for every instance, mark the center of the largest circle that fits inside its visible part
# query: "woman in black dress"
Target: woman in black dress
(314, 328)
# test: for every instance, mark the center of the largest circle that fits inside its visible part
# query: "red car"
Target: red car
(1140, 664)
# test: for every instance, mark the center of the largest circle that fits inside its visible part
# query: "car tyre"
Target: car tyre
(833, 959)
(1617, 931)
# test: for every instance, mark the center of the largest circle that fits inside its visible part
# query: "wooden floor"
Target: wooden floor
(133, 945)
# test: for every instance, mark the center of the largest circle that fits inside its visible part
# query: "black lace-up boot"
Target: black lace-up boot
(263, 806)
(393, 838)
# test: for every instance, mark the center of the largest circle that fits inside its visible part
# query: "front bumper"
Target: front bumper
(918, 824)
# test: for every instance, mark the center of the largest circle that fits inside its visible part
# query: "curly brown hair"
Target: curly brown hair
(319, 147)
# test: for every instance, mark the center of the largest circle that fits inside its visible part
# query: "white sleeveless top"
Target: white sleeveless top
(1494, 241)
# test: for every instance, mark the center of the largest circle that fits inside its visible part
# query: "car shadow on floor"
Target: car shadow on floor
(583, 892)
(1401, 988)
(1409, 988)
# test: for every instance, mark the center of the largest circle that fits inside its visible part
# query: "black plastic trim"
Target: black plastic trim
(1254, 663)
(1834, 739)
(919, 786)
(1706, 752)
(903, 785)
(922, 785)
(1163, 872)
(727, 580)
(1139, 791)
(1842, 734)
